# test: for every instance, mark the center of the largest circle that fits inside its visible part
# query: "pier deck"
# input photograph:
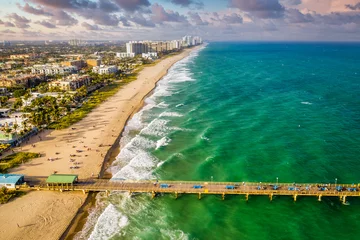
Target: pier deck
(221, 188)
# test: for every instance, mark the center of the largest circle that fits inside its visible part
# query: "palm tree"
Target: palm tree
(7, 129)
(3, 100)
(16, 126)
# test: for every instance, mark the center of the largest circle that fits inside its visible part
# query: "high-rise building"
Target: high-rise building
(76, 42)
(6, 43)
(136, 47)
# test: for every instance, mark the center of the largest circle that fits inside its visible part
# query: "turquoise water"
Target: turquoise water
(243, 112)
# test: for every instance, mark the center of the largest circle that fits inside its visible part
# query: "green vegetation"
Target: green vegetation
(93, 100)
(3, 100)
(19, 93)
(3, 147)
(44, 110)
(16, 159)
(6, 194)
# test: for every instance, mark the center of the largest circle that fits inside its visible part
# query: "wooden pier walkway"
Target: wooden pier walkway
(318, 190)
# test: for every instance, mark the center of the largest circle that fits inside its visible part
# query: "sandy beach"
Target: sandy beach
(46, 215)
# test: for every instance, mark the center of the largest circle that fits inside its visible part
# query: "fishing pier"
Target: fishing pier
(318, 190)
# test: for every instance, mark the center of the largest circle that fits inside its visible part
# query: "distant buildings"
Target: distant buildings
(125, 55)
(19, 56)
(75, 63)
(52, 69)
(192, 41)
(24, 56)
(134, 48)
(6, 43)
(76, 42)
(149, 55)
(102, 69)
(26, 80)
(71, 82)
(93, 62)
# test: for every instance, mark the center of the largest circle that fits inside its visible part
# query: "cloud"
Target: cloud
(66, 4)
(32, 33)
(233, 18)
(7, 31)
(260, 8)
(141, 20)
(7, 24)
(196, 19)
(89, 26)
(46, 24)
(124, 22)
(108, 6)
(62, 18)
(295, 16)
(159, 15)
(334, 18)
(269, 26)
(100, 17)
(353, 7)
(29, 9)
(20, 22)
(338, 18)
(188, 3)
(132, 5)
(291, 2)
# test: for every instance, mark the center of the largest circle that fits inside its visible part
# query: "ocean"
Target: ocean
(242, 112)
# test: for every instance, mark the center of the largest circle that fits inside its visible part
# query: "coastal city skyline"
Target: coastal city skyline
(227, 20)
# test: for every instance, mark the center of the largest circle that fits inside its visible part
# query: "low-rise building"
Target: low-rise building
(102, 69)
(125, 55)
(4, 112)
(52, 69)
(75, 63)
(26, 80)
(72, 82)
(11, 180)
(19, 56)
(150, 55)
(24, 56)
(93, 62)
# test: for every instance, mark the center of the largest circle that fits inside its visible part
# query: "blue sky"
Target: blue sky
(243, 20)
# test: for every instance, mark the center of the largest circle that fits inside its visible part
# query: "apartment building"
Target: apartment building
(102, 69)
(72, 82)
(52, 69)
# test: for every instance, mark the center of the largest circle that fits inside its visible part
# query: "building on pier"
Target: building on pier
(61, 181)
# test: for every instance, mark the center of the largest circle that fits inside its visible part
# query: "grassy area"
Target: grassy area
(93, 100)
(15, 159)
(6, 194)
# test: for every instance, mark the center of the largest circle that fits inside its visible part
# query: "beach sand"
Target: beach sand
(46, 215)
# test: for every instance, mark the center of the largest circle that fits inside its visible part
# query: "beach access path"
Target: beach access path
(44, 215)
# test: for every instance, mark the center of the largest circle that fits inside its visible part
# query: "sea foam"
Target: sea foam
(109, 223)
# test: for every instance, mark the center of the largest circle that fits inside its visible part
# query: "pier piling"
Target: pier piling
(319, 198)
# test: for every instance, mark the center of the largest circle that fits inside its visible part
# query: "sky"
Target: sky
(213, 20)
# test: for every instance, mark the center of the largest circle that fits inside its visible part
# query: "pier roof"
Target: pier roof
(62, 178)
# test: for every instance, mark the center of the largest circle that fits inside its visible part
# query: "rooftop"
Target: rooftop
(10, 178)
(62, 178)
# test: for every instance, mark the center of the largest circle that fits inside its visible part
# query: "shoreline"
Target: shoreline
(93, 135)
(81, 217)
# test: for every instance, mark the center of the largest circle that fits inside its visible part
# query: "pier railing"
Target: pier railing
(247, 189)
